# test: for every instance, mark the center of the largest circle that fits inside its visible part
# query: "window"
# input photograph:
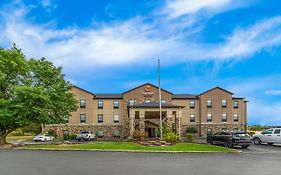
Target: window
(100, 104)
(116, 133)
(209, 117)
(235, 117)
(100, 118)
(209, 131)
(65, 133)
(115, 104)
(163, 101)
(192, 117)
(277, 131)
(192, 104)
(235, 129)
(131, 102)
(209, 103)
(147, 101)
(235, 104)
(223, 104)
(223, 117)
(116, 118)
(82, 118)
(66, 118)
(269, 131)
(83, 103)
(224, 129)
(100, 134)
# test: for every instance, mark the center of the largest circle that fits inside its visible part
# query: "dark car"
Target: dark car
(230, 139)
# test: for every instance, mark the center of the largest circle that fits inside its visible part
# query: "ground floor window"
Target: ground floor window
(100, 118)
(100, 134)
(192, 118)
(209, 131)
(116, 133)
(116, 118)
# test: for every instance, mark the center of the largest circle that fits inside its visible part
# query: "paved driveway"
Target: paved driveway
(250, 162)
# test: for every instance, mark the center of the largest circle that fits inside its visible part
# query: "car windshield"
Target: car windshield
(241, 134)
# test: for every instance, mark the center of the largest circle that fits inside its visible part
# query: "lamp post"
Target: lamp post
(160, 100)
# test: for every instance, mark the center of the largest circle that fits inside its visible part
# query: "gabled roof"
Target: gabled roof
(108, 96)
(238, 98)
(145, 85)
(83, 90)
(184, 96)
(216, 88)
(155, 105)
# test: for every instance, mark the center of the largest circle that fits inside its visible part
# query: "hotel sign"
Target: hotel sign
(147, 91)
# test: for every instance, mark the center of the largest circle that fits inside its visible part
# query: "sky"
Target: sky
(110, 46)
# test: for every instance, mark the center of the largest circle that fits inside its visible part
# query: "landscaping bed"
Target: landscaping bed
(133, 147)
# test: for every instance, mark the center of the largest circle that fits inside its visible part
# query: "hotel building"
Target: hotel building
(119, 115)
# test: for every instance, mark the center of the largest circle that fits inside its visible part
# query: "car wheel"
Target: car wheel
(245, 146)
(210, 142)
(257, 141)
(227, 144)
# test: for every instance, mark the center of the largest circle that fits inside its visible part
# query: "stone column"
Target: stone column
(178, 118)
(142, 120)
(132, 121)
(169, 121)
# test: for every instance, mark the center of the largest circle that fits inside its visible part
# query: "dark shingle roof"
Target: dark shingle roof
(108, 96)
(217, 88)
(184, 96)
(147, 84)
(154, 105)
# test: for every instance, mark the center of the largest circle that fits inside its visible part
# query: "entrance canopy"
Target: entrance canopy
(155, 105)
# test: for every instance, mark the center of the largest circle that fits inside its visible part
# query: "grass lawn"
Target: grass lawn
(133, 147)
(13, 138)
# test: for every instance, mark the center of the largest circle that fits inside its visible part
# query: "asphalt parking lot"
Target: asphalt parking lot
(261, 159)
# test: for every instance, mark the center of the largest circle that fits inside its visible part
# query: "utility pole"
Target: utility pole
(160, 100)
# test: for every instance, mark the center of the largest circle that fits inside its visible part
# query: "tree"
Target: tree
(31, 91)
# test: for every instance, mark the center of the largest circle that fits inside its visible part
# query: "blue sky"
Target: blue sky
(110, 46)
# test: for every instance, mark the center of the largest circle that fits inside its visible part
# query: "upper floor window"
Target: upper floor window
(223, 117)
(163, 101)
(66, 118)
(82, 103)
(100, 104)
(100, 118)
(115, 104)
(192, 117)
(116, 118)
(147, 101)
(223, 104)
(82, 118)
(131, 102)
(209, 117)
(192, 104)
(209, 103)
(235, 104)
(235, 117)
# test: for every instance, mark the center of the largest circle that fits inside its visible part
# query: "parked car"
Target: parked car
(85, 135)
(230, 139)
(43, 138)
(269, 136)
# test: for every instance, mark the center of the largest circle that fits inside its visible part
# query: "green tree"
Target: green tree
(31, 91)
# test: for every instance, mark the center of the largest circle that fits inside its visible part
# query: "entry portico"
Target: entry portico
(146, 117)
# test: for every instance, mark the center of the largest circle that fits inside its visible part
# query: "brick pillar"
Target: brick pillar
(142, 120)
(132, 121)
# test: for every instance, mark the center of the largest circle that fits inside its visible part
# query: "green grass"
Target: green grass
(13, 138)
(133, 147)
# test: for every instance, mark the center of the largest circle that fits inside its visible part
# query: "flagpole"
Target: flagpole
(160, 100)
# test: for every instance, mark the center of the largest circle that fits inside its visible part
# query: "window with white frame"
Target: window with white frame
(132, 102)
(82, 118)
(224, 117)
(116, 104)
(209, 117)
(192, 104)
(192, 117)
(235, 117)
(235, 104)
(163, 101)
(224, 103)
(100, 118)
(209, 103)
(100, 104)
(115, 118)
(147, 101)
(82, 103)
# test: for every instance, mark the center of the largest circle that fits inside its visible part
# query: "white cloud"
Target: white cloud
(48, 5)
(177, 8)
(273, 92)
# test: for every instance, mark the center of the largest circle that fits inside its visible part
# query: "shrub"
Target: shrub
(191, 130)
(190, 137)
(170, 137)
(140, 135)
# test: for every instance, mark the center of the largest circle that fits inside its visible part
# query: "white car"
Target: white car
(269, 136)
(85, 135)
(43, 138)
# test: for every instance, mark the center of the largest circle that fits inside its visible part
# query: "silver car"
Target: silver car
(269, 136)
(43, 138)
